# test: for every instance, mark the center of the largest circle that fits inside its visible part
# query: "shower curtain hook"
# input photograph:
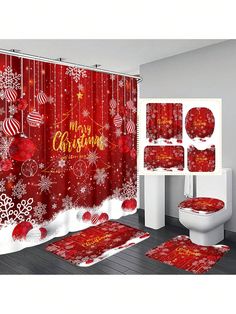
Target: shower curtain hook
(15, 50)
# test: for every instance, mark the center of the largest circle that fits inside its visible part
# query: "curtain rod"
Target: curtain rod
(14, 52)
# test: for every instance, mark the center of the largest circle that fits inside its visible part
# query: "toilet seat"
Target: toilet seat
(202, 205)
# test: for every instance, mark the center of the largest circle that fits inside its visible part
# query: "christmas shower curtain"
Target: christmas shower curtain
(67, 150)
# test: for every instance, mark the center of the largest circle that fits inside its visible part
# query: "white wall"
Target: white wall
(203, 73)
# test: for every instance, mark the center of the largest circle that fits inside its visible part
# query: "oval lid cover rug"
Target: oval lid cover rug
(182, 253)
(94, 244)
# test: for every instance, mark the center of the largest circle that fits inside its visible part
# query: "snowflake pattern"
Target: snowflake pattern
(11, 178)
(129, 190)
(76, 73)
(61, 163)
(106, 126)
(51, 100)
(118, 132)
(112, 111)
(45, 184)
(2, 111)
(85, 113)
(19, 189)
(81, 87)
(100, 176)
(5, 143)
(2, 186)
(67, 202)
(92, 158)
(10, 215)
(40, 210)
(41, 165)
(9, 79)
(12, 110)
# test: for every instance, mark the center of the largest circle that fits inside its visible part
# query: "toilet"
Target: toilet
(206, 214)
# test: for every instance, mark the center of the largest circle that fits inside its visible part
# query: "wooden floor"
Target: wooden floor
(36, 260)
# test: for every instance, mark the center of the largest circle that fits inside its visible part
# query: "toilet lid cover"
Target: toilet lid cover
(202, 204)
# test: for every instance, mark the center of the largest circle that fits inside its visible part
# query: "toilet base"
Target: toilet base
(207, 238)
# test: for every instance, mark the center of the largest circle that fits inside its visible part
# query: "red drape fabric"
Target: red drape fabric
(67, 146)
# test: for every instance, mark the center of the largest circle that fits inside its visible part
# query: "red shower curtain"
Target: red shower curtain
(67, 150)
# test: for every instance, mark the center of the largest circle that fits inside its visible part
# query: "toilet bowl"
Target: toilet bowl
(206, 223)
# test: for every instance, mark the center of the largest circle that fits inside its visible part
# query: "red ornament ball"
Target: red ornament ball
(10, 95)
(11, 126)
(103, 217)
(43, 232)
(22, 104)
(124, 143)
(21, 230)
(22, 148)
(117, 120)
(129, 205)
(6, 165)
(86, 216)
(42, 98)
(34, 119)
(130, 127)
(95, 219)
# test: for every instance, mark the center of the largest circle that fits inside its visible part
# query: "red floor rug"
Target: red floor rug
(182, 253)
(94, 244)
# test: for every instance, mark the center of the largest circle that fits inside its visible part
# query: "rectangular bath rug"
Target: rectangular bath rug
(182, 253)
(94, 244)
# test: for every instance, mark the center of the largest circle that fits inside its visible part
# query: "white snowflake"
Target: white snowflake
(121, 83)
(9, 79)
(129, 190)
(2, 186)
(112, 111)
(112, 77)
(100, 176)
(11, 177)
(51, 100)
(54, 206)
(92, 158)
(85, 113)
(81, 87)
(103, 142)
(12, 110)
(61, 163)
(2, 111)
(83, 191)
(76, 73)
(10, 215)
(5, 143)
(116, 192)
(19, 189)
(40, 210)
(106, 126)
(45, 184)
(118, 132)
(67, 202)
(41, 165)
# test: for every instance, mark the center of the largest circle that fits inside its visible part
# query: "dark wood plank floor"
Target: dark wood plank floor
(36, 260)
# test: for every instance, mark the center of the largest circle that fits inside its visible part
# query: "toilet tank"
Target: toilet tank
(216, 186)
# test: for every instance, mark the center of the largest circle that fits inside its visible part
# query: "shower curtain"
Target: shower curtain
(67, 150)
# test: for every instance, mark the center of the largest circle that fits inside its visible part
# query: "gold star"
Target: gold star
(80, 95)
